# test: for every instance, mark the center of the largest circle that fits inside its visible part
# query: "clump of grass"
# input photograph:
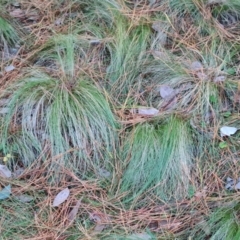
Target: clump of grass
(158, 159)
(222, 224)
(17, 220)
(176, 159)
(125, 65)
(8, 34)
(109, 20)
(65, 112)
(142, 154)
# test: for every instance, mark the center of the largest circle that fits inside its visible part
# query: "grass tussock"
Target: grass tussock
(65, 112)
(223, 223)
(163, 165)
(8, 34)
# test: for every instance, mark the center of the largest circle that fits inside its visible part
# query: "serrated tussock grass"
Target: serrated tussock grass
(125, 64)
(222, 224)
(8, 34)
(158, 159)
(65, 112)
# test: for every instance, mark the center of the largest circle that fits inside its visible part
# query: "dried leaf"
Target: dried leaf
(229, 179)
(9, 68)
(59, 21)
(61, 197)
(237, 186)
(230, 184)
(5, 193)
(72, 215)
(140, 236)
(24, 198)
(17, 13)
(104, 173)
(18, 172)
(219, 79)
(5, 172)
(227, 131)
(167, 92)
(196, 66)
(95, 41)
(148, 111)
(99, 228)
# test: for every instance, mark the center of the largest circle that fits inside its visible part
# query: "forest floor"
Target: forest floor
(119, 119)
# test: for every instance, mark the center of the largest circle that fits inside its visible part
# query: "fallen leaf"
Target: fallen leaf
(5, 172)
(230, 184)
(104, 173)
(99, 227)
(196, 66)
(139, 236)
(18, 172)
(148, 111)
(227, 131)
(229, 179)
(59, 21)
(237, 186)
(24, 198)
(61, 197)
(9, 68)
(167, 92)
(219, 79)
(17, 13)
(94, 41)
(72, 215)
(5, 193)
